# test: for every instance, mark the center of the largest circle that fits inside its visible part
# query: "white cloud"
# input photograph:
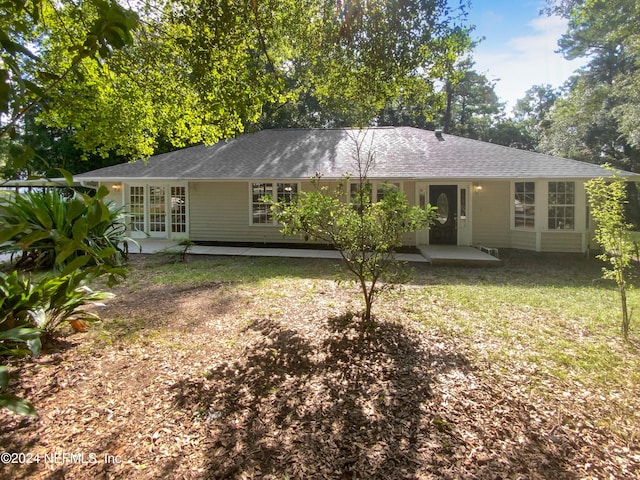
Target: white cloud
(527, 60)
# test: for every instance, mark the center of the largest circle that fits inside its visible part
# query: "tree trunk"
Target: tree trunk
(447, 113)
(625, 312)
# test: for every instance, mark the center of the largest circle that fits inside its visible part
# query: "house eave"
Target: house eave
(631, 177)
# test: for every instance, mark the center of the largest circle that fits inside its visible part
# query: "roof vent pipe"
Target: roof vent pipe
(439, 134)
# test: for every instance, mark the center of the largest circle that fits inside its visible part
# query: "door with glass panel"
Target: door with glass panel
(444, 230)
(158, 210)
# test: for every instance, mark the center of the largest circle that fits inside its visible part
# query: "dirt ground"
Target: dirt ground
(213, 381)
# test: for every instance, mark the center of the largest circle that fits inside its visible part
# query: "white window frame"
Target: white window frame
(168, 209)
(535, 205)
(271, 222)
(564, 205)
(375, 186)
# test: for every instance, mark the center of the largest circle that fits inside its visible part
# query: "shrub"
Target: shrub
(28, 310)
(18, 336)
(51, 229)
(607, 199)
(367, 234)
(62, 300)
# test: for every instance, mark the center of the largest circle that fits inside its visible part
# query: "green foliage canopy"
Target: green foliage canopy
(198, 71)
(27, 77)
(597, 120)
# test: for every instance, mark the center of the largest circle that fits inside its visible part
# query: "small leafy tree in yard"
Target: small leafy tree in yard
(367, 234)
(607, 199)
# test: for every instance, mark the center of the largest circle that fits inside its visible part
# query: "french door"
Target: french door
(158, 210)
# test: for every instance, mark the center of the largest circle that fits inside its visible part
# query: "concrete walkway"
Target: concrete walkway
(436, 255)
(458, 255)
(152, 245)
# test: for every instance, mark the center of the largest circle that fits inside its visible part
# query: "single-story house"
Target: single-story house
(486, 194)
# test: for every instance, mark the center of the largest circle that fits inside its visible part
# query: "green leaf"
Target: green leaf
(106, 252)
(27, 240)
(101, 192)
(80, 229)
(35, 88)
(7, 233)
(76, 264)
(34, 345)
(75, 208)
(4, 377)
(67, 249)
(68, 176)
(17, 405)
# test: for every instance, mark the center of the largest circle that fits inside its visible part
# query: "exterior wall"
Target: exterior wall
(409, 189)
(490, 214)
(116, 193)
(524, 240)
(221, 211)
(561, 242)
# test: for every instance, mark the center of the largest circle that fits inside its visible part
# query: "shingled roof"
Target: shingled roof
(400, 153)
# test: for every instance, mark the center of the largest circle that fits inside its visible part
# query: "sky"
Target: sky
(519, 46)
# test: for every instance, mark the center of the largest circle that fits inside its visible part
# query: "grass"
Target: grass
(245, 270)
(548, 316)
(250, 359)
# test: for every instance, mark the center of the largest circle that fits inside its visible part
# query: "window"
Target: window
(158, 210)
(561, 205)
(136, 208)
(384, 186)
(463, 203)
(287, 192)
(525, 205)
(260, 209)
(178, 209)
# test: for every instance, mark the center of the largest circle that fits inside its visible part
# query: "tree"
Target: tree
(607, 200)
(474, 107)
(599, 110)
(366, 233)
(199, 71)
(50, 149)
(531, 112)
(26, 78)
(511, 133)
(596, 120)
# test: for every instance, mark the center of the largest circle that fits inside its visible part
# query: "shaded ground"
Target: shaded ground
(222, 380)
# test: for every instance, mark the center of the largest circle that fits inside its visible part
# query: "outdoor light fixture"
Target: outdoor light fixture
(477, 188)
(116, 187)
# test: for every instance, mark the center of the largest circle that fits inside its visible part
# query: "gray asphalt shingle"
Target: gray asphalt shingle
(400, 153)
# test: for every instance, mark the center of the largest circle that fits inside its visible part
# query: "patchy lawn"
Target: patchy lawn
(253, 368)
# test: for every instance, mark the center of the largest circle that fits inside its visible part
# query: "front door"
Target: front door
(444, 230)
